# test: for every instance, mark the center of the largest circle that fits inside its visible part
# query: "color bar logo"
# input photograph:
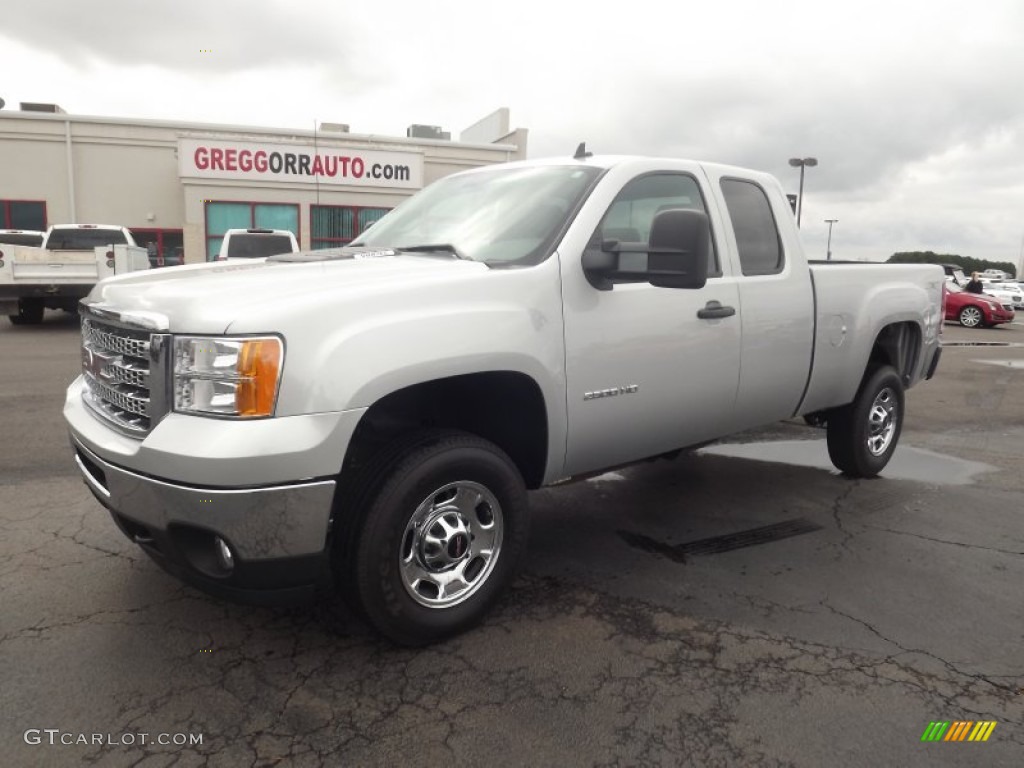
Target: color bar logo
(959, 730)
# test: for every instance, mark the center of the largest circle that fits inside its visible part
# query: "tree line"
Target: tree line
(967, 263)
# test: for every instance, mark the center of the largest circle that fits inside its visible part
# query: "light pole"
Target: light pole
(801, 163)
(828, 248)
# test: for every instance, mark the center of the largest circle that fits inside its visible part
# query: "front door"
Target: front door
(644, 373)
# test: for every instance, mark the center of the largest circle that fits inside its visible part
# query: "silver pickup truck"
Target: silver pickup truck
(372, 416)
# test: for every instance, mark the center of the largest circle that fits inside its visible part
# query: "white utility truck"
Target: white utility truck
(62, 270)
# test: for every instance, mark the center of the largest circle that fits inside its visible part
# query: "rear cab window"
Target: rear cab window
(753, 223)
(84, 239)
(21, 238)
(258, 246)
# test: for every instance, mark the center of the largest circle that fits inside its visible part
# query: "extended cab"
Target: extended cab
(63, 268)
(375, 414)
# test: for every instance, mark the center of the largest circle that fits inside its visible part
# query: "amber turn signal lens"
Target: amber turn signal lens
(259, 364)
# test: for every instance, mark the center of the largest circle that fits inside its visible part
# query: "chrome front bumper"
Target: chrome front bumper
(278, 534)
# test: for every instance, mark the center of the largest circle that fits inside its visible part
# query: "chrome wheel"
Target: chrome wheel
(451, 544)
(882, 420)
(862, 435)
(970, 317)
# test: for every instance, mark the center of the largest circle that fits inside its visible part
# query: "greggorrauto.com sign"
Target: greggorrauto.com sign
(240, 160)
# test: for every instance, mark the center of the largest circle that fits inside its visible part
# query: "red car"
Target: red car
(974, 309)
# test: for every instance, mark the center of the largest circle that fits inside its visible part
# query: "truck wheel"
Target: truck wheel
(30, 312)
(970, 317)
(862, 436)
(440, 538)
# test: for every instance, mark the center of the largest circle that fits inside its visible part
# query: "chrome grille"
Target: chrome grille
(116, 368)
(131, 401)
(128, 373)
(116, 340)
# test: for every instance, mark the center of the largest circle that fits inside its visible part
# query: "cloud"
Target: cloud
(911, 107)
(228, 35)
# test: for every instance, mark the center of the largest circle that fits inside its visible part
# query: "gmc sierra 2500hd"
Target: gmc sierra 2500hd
(373, 415)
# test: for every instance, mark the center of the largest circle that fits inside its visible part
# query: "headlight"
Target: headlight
(227, 377)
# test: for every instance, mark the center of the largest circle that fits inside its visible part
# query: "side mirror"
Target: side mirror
(679, 246)
(677, 254)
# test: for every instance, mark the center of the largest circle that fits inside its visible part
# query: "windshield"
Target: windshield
(256, 246)
(84, 239)
(501, 216)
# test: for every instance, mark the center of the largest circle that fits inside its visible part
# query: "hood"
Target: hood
(255, 296)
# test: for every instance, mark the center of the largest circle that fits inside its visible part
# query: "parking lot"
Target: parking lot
(741, 605)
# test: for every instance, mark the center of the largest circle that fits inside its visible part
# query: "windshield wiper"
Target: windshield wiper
(435, 247)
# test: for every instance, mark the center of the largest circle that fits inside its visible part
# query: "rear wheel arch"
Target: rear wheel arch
(898, 345)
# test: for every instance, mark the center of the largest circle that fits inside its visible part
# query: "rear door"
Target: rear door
(644, 373)
(776, 298)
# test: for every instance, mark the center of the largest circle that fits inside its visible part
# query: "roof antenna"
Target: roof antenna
(581, 152)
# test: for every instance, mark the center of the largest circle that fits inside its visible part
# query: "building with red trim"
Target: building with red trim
(179, 186)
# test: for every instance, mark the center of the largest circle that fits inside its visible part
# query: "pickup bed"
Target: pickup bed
(59, 272)
(372, 416)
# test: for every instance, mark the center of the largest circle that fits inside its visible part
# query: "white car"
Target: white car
(256, 243)
(994, 274)
(1007, 293)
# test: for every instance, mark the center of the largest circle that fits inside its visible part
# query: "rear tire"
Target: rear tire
(445, 523)
(862, 436)
(30, 312)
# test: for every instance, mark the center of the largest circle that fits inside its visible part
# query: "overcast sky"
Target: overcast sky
(914, 109)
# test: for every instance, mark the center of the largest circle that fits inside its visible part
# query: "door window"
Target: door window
(757, 236)
(630, 216)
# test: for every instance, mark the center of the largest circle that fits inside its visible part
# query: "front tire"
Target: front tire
(862, 436)
(971, 317)
(440, 539)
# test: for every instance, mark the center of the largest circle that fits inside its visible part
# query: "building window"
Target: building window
(331, 226)
(23, 214)
(165, 246)
(222, 216)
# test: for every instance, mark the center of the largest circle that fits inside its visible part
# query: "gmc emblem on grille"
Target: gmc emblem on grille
(94, 362)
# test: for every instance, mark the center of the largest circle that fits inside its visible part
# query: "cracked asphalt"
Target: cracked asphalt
(834, 622)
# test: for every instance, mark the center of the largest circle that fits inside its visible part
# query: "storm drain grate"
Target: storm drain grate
(718, 544)
(981, 344)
